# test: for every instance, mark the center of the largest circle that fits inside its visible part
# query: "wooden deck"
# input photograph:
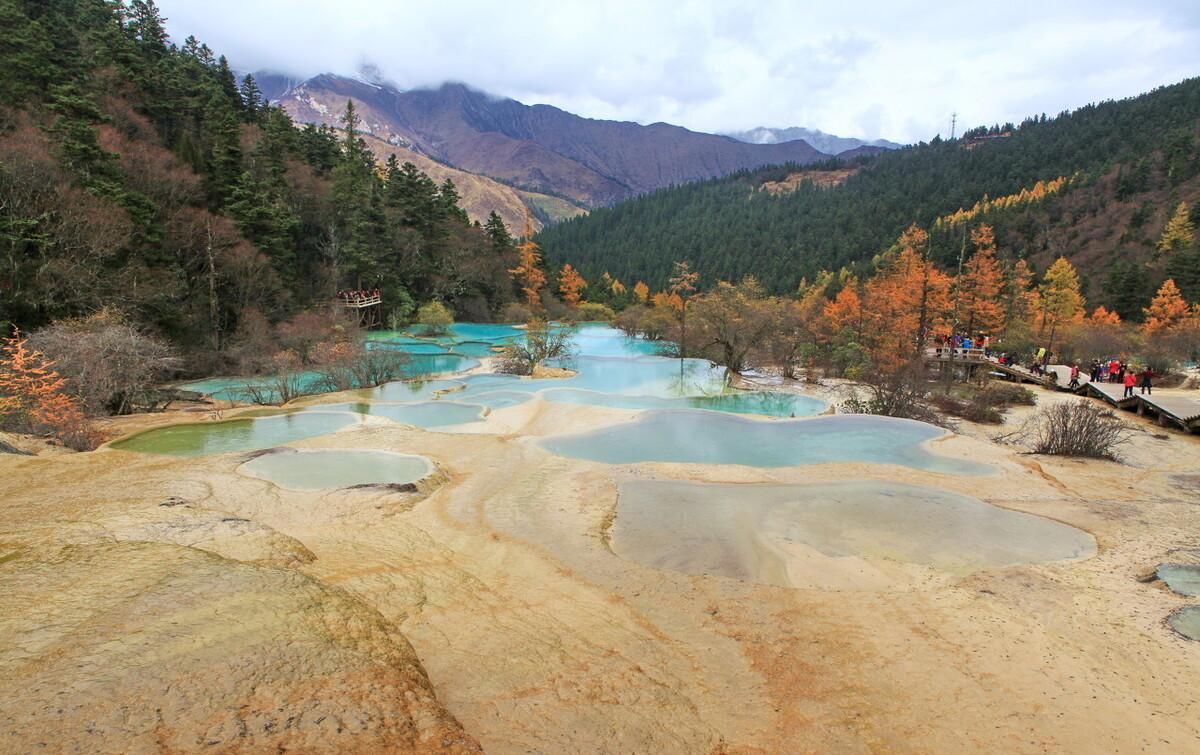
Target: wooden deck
(360, 302)
(1180, 411)
(978, 357)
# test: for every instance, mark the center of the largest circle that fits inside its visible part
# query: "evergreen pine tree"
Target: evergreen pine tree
(251, 96)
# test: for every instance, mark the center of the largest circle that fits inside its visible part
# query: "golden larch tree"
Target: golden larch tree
(1167, 310)
(33, 396)
(641, 291)
(844, 314)
(1060, 300)
(571, 285)
(1179, 233)
(528, 273)
(979, 304)
(905, 303)
(1102, 316)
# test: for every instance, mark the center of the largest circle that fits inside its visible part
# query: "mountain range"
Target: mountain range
(505, 155)
(1125, 169)
(827, 143)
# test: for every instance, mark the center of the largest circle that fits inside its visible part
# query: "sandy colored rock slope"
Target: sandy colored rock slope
(253, 617)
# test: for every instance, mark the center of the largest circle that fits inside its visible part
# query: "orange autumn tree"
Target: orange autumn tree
(1167, 310)
(905, 303)
(571, 285)
(664, 300)
(844, 314)
(33, 397)
(641, 291)
(1102, 316)
(979, 307)
(528, 273)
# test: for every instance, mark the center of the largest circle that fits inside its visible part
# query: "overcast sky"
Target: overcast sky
(871, 68)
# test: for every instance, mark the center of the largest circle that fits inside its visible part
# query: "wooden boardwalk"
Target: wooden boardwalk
(973, 358)
(1180, 411)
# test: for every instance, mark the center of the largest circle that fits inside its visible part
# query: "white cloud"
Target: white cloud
(891, 69)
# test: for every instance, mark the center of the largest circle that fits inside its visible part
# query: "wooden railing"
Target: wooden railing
(947, 352)
(360, 301)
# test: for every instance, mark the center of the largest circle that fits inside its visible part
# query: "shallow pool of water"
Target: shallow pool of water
(1181, 578)
(237, 434)
(335, 468)
(244, 388)
(421, 414)
(714, 438)
(751, 532)
(735, 402)
(1186, 621)
(409, 390)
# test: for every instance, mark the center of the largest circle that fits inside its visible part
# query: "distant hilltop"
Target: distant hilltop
(827, 143)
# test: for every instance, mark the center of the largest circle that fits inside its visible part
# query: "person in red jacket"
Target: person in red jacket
(1130, 381)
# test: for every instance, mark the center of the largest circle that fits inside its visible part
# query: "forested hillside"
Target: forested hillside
(1129, 164)
(141, 177)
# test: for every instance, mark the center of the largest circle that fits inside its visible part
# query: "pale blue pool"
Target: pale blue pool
(750, 402)
(1186, 621)
(1181, 578)
(420, 414)
(318, 469)
(714, 438)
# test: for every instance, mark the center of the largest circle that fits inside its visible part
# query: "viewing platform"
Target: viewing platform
(945, 355)
(360, 302)
(367, 304)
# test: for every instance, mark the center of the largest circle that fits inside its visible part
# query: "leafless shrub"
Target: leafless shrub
(283, 385)
(112, 366)
(901, 393)
(541, 343)
(1078, 429)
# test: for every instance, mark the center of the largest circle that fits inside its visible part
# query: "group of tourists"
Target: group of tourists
(963, 341)
(359, 296)
(1116, 371)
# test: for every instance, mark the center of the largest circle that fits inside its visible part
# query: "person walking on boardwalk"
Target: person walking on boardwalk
(1113, 368)
(1074, 377)
(1145, 380)
(1129, 381)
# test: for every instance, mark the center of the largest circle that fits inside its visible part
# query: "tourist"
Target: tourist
(1113, 368)
(1129, 380)
(1145, 380)
(1074, 377)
